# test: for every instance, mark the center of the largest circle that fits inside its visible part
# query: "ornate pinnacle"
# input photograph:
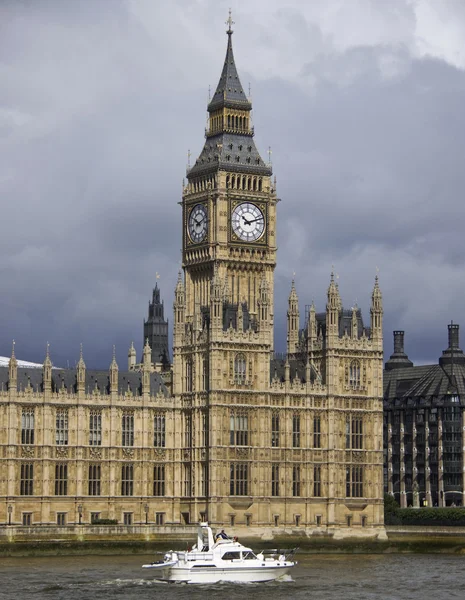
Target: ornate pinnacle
(229, 23)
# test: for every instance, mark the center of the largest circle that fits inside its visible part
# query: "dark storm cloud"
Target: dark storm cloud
(101, 101)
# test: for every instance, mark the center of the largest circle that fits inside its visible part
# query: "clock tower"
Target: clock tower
(223, 329)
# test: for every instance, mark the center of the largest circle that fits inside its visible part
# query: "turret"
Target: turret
(13, 370)
(131, 358)
(376, 312)
(293, 321)
(179, 309)
(81, 374)
(263, 304)
(146, 367)
(354, 323)
(47, 371)
(216, 303)
(114, 374)
(333, 306)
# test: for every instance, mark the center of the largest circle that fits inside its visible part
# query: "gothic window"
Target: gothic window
(159, 422)
(204, 429)
(239, 429)
(275, 430)
(316, 432)
(275, 480)
(296, 480)
(317, 482)
(27, 479)
(354, 482)
(239, 479)
(295, 431)
(27, 426)
(189, 377)
(203, 482)
(205, 375)
(354, 432)
(61, 479)
(95, 428)
(240, 369)
(159, 480)
(61, 431)
(127, 480)
(95, 472)
(187, 430)
(127, 429)
(186, 480)
(354, 374)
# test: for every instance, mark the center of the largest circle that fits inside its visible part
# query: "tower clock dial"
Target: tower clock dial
(197, 225)
(248, 222)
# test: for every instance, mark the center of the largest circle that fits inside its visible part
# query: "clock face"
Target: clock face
(248, 222)
(198, 223)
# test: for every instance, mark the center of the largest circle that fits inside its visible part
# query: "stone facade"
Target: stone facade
(240, 436)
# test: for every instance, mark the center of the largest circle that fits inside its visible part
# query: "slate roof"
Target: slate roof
(127, 380)
(297, 367)
(229, 91)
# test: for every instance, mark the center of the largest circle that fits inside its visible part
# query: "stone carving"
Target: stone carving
(27, 452)
(95, 453)
(61, 452)
(128, 452)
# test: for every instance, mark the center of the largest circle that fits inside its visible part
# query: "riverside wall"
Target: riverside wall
(148, 539)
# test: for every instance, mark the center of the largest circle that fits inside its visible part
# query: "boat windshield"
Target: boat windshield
(248, 555)
(231, 556)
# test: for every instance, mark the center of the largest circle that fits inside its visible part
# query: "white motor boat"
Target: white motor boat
(210, 561)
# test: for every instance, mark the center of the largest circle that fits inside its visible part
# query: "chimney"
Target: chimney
(398, 359)
(453, 336)
(453, 354)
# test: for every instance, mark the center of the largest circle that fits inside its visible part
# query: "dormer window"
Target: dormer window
(230, 146)
(240, 148)
(238, 158)
(249, 148)
(228, 157)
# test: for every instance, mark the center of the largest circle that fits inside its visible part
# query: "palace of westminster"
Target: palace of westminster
(226, 430)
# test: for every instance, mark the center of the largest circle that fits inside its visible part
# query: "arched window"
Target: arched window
(354, 374)
(239, 369)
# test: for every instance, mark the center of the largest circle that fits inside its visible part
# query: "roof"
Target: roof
(230, 152)
(229, 91)
(127, 380)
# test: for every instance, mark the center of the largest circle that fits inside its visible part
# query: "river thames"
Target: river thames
(354, 577)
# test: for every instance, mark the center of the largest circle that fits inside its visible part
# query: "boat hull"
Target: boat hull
(207, 575)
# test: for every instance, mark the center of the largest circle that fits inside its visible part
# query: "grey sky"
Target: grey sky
(361, 102)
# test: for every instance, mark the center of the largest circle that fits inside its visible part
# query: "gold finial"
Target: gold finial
(269, 155)
(189, 158)
(157, 275)
(13, 350)
(229, 23)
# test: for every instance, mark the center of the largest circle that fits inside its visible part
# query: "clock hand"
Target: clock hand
(254, 220)
(246, 222)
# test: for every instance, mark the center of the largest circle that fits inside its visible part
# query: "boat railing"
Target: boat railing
(191, 556)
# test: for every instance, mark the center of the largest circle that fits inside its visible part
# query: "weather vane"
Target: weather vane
(229, 23)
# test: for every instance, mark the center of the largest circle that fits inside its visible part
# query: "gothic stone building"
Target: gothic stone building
(424, 426)
(244, 438)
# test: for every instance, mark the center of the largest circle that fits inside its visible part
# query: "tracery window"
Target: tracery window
(317, 482)
(159, 430)
(316, 432)
(354, 432)
(61, 431)
(275, 430)
(296, 480)
(354, 374)
(95, 428)
(27, 426)
(239, 429)
(127, 480)
(159, 480)
(354, 482)
(296, 431)
(240, 369)
(275, 480)
(239, 479)
(61, 479)
(27, 479)
(95, 472)
(127, 429)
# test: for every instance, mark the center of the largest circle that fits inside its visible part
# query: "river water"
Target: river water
(360, 577)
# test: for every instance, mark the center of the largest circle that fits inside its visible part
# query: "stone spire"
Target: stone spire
(354, 324)
(146, 367)
(376, 312)
(263, 303)
(47, 370)
(114, 373)
(81, 373)
(333, 307)
(13, 370)
(131, 357)
(293, 321)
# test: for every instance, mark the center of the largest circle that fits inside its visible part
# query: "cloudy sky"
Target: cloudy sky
(361, 102)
